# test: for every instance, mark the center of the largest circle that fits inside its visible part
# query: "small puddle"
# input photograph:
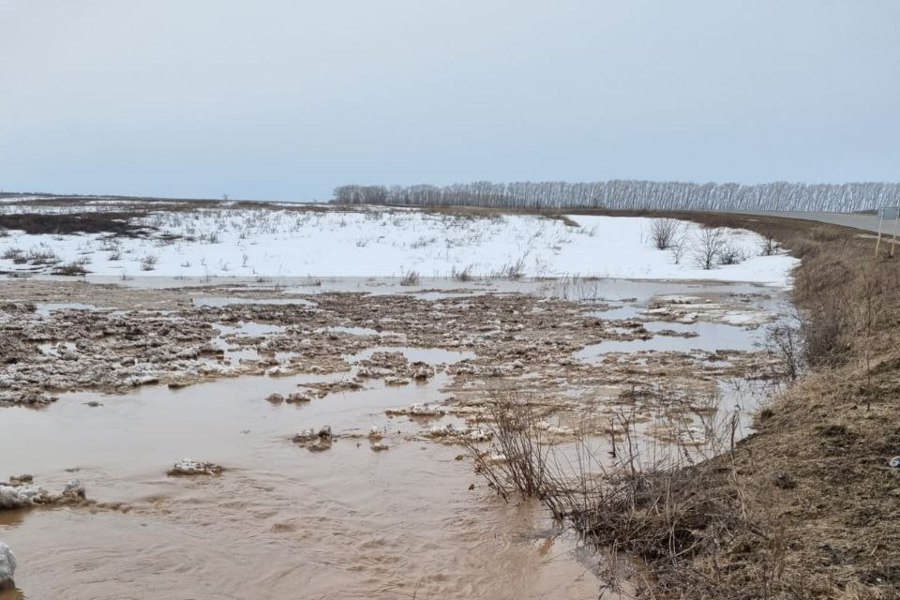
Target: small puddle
(711, 337)
(44, 310)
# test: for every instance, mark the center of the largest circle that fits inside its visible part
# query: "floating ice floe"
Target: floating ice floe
(555, 429)
(313, 440)
(493, 457)
(22, 493)
(418, 410)
(451, 433)
(292, 398)
(189, 466)
(298, 398)
(7, 565)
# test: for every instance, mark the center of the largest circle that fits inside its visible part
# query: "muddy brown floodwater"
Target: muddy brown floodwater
(283, 522)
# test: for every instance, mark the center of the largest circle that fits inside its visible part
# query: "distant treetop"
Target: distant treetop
(634, 195)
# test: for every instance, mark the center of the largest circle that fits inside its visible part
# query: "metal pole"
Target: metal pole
(896, 224)
(880, 221)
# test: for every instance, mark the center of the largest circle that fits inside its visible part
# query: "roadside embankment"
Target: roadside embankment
(807, 506)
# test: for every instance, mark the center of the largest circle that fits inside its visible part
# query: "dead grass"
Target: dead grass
(464, 274)
(116, 223)
(72, 269)
(818, 499)
(410, 278)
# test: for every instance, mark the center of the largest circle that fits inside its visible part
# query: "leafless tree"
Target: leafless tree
(663, 232)
(634, 195)
(679, 246)
(709, 246)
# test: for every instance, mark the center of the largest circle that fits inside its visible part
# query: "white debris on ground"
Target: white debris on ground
(377, 242)
(189, 466)
(7, 565)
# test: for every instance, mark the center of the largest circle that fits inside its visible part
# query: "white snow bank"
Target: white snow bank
(388, 243)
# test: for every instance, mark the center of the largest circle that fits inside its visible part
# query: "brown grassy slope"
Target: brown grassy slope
(820, 507)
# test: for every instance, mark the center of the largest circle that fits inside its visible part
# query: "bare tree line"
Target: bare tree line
(627, 194)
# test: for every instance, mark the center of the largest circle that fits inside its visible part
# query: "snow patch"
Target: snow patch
(227, 242)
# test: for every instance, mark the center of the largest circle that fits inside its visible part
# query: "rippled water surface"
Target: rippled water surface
(281, 522)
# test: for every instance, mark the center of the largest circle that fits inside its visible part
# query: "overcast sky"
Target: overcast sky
(286, 99)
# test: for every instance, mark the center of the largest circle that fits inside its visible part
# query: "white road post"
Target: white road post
(878, 239)
(896, 225)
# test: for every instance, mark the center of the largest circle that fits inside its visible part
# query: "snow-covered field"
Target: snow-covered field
(265, 242)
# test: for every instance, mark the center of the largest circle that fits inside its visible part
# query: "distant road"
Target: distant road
(857, 221)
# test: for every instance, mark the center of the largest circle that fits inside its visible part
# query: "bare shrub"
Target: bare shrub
(423, 242)
(71, 269)
(678, 247)
(42, 256)
(825, 334)
(644, 500)
(519, 463)
(12, 253)
(731, 254)
(148, 262)
(464, 274)
(708, 247)
(785, 341)
(410, 278)
(769, 246)
(664, 232)
(513, 270)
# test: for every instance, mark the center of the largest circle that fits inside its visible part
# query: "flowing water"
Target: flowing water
(283, 522)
